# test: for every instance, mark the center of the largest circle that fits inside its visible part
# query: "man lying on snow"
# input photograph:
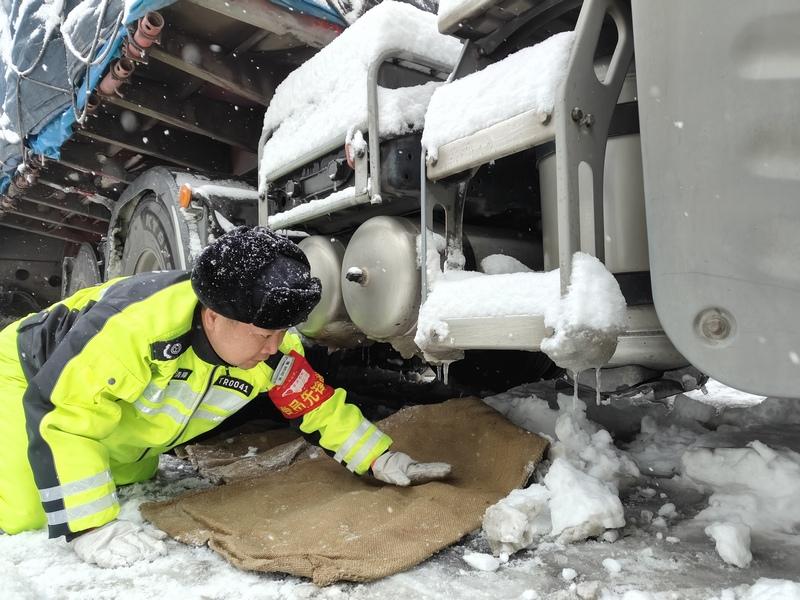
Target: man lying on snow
(96, 387)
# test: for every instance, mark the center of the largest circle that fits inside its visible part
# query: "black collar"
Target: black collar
(202, 347)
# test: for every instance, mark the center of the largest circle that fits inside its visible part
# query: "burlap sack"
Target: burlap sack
(315, 519)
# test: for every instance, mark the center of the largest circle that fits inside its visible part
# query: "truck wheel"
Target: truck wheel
(83, 272)
(150, 244)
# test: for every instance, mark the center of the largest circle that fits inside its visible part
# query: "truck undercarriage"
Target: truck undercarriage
(171, 153)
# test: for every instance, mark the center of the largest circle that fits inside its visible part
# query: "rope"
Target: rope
(80, 118)
(90, 60)
(45, 42)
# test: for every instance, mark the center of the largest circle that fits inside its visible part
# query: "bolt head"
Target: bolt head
(715, 325)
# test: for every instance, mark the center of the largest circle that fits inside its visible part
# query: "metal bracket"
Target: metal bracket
(451, 196)
(583, 111)
(373, 114)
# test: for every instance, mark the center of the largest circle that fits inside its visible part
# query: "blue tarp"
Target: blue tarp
(316, 8)
(38, 108)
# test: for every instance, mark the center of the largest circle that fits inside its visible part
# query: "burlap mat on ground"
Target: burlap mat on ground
(315, 519)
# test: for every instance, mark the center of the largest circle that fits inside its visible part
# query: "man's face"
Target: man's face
(240, 344)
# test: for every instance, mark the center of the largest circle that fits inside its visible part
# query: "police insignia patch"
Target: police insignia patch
(170, 349)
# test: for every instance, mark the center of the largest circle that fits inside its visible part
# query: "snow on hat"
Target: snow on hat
(254, 275)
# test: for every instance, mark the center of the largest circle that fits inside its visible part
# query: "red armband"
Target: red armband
(298, 389)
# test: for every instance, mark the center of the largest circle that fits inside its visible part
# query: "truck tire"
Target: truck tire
(83, 271)
(150, 244)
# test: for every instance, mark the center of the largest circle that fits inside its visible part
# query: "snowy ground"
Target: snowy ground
(662, 551)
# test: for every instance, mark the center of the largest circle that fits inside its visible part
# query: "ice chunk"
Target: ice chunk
(521, 406)
(498, 264)
(517, 520)
(658, 448)
(756, 485)
(581, 506)
(733, 542)
(590, 448)
(612, 565)
(482, 562)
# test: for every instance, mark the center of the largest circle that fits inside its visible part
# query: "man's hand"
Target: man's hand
(400, 469)
(119, 544)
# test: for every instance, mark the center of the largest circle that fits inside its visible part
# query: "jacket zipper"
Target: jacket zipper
(197, 404)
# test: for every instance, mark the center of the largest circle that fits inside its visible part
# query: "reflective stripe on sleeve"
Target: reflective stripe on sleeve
(228, 402)
(175, 390)
(60, 492)
(351, 441)
(164, 409)
(364, 451)
(179, 391)
(60, 517)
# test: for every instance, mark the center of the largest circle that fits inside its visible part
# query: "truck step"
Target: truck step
(502, 109)
(504, 332)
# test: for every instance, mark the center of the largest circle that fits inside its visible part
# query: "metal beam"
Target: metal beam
(75, 207)
(91, 199)
(59, 233)
(71, 181)
(264, 15)
(56, 218)
(216, 120)
(237, 75)
(178, 147)
(83, 158)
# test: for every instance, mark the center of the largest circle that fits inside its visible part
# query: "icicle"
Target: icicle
(574, 390)
(438, 372)
(446, 370)
(597, 386)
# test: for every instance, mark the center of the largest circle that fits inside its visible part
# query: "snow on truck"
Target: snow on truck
(499, 180)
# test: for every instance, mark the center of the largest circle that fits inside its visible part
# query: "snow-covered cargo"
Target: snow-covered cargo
(318, 103)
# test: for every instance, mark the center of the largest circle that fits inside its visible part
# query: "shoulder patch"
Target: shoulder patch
(232, 383)
(170, 349)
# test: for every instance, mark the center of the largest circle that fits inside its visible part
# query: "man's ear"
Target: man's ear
(210, 319)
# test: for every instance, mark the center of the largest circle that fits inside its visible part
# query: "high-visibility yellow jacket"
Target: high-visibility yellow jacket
(121, 372)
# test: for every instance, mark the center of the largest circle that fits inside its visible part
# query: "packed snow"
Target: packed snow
(732, 542)
(499, 264)
(593, 308)
(588, 320)
(316, 105)
(6, 132)
(449, 9)
(748, 491)
(524, 81)
(661, 547)
(330, 203)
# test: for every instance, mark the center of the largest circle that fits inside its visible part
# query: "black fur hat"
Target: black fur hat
(254, 275)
